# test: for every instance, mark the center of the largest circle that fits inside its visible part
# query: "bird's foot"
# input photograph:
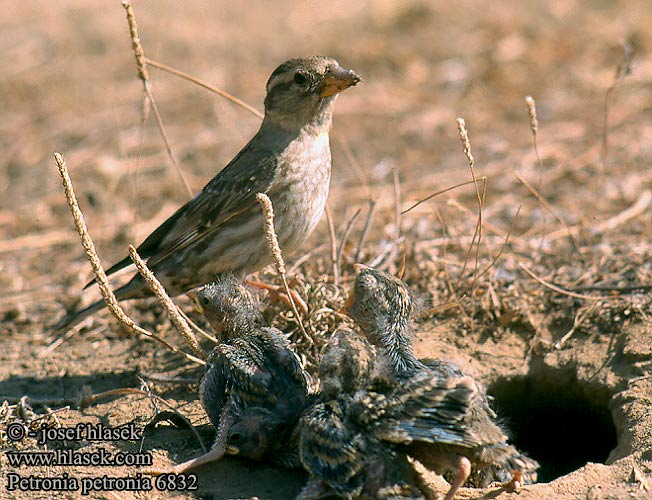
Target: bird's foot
(279, 293)
(212, 456)
(515, 483)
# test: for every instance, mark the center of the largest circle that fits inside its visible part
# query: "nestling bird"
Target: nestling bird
(253, 379)
(347, 444)
(382, 305)
(221, 229)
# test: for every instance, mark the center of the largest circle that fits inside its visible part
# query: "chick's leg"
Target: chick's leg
(279, 292)
(214, 454)
(463, 472)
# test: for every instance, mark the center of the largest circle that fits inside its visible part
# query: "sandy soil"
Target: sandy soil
(551, 313)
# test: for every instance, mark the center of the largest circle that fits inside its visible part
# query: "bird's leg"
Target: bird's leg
(215, 453)
(463, 473)
(515, 483)
(280, 293)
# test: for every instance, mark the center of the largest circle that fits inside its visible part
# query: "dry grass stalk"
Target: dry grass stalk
(640, 206)
(345, 237)
(561, 290)
(275, 249)
(206, 85)
(357, 168)
(139, 54)
(177, 319)
(437, 193)
(534, 125)
(365, 230)
(333, 239)
(622, 70)
(397, 204)
(548, 207)
(466, 144)
(100, 275)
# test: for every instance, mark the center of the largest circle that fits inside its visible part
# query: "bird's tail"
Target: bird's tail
(136, 288)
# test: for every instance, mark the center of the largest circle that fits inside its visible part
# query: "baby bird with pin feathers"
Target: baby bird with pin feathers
(382, 306)
(221, 229)
(253, 387)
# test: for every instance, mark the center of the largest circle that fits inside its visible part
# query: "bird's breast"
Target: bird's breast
(299, 196)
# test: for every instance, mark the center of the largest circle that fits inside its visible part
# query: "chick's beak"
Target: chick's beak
(338, 79)
(231, 450)
(195, 301)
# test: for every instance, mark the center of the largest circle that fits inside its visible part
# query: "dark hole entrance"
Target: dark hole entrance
(556, 420)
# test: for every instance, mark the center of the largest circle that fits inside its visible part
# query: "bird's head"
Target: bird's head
(301, 92)
(253, 434)
(381, 305)
(227, 305)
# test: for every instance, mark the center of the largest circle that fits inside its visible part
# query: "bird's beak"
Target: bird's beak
(338, 79)
(231, 450)
(358, 268)
(195, 301)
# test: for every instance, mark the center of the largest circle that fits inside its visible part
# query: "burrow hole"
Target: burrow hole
(555, 419)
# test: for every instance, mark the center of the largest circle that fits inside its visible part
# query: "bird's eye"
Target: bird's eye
(299, 78)
(205, 301)
(234, 438)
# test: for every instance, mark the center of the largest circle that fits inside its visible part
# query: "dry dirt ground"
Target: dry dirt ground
(551, 310)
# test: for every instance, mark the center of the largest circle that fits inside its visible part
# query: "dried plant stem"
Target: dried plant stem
(275, 249)
(580, 316)
(466, 144)
(206, 85)
(622, 70)
(502, 248)
(179, 322)
(548, 207)
(534, 125)
(437, 193)
(357, 168)
(365, 230)
(397, 205)
(100, 275)
(345, 237)
(640, 206)
(139, 54)
(561, 290)
(333, 238)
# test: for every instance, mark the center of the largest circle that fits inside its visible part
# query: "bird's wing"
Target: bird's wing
(249, 381)
(330, 450)
(424, 408)
(283, 359)
(232, 191)
(212, 388)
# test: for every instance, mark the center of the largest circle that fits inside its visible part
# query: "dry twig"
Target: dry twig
(100, 275)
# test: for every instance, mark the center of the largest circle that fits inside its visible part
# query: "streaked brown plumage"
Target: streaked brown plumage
(347, 444)
(252, 377)
(221, 229)
(382, 307)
